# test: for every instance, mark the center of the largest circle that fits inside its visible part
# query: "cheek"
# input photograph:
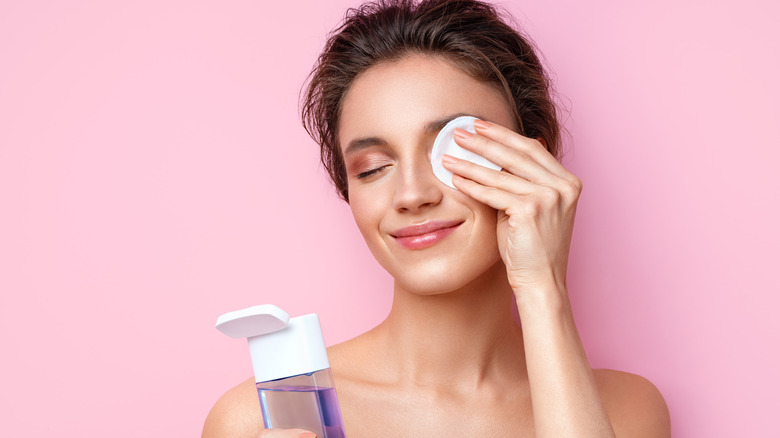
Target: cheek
(488, 214)
(486, 220)
(366, 211)
(368, 214)
(484, 215)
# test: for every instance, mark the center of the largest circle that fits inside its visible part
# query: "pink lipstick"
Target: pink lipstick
(424, 235)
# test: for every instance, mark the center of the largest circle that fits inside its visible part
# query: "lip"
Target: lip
(424, 235)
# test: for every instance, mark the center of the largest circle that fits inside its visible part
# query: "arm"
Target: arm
(536, 199)
(565, 397)
(571, 399)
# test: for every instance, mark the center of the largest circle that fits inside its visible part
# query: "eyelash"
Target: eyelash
(370, 172)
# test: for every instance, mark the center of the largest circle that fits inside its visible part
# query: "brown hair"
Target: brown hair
(470, 33)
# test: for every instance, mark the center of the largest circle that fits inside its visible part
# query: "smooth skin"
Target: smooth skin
(449, 360)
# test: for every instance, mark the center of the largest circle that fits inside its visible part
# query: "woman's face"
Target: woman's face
(429, 237)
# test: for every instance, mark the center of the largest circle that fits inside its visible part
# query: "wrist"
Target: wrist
(547, 301)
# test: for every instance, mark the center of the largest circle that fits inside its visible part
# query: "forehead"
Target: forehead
(398, 96)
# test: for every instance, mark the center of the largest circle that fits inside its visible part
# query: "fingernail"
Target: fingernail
(481, 124)
(462, 133)
(307, 435)
(448, 159)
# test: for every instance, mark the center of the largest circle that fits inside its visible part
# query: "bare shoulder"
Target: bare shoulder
(236, 414)
(351, 358)
(635, 406)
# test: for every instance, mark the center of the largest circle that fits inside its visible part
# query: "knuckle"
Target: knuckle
(531, 207)
(549, 195)
(501, 177)
(572, 189)
(577, 183)
(481, 141)
(518, 155)
(536, 144)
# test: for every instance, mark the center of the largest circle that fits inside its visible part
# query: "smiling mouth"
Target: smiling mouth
(425, 235)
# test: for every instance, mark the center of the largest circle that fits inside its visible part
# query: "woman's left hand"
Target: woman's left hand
(536, 199)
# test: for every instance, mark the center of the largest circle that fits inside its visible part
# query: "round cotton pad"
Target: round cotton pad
(445, 144)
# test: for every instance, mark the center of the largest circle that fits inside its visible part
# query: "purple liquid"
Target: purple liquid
(305, 407)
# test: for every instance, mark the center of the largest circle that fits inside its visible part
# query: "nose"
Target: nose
(417, 188)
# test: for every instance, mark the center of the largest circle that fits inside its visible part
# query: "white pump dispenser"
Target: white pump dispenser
(291, 368)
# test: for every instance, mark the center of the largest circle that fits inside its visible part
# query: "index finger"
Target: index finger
(529, 146)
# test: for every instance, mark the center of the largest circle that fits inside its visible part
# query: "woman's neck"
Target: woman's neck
(454, 341)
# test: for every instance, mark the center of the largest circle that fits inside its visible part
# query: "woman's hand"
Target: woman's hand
(286, 433)
(536, 199)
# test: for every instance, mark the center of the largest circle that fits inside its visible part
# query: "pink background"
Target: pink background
(154, 174)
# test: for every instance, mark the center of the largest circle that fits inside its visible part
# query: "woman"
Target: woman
(449, 360)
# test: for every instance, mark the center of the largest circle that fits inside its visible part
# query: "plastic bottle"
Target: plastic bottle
(292, 373)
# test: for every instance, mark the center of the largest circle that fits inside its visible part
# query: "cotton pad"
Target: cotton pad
(445, 144)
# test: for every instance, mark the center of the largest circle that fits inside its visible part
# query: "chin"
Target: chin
(442, 278)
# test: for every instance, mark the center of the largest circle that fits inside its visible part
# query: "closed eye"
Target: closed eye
(370, 172)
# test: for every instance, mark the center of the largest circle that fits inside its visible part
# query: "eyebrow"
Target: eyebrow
(430, 127)
(362, 143)
(438, 124)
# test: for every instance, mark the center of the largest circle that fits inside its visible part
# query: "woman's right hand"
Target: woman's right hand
(286, 433)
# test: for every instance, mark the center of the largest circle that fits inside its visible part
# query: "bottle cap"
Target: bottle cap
(280, 346)
(445, 144)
